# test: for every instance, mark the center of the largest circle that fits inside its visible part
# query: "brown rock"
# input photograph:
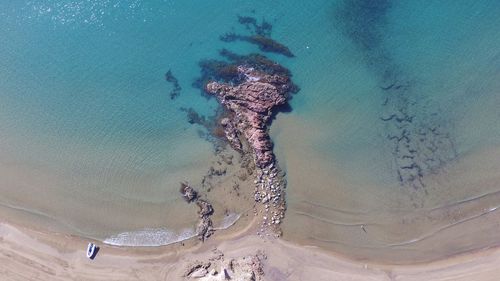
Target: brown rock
(206, 208)
(252, 102)
(188, 192)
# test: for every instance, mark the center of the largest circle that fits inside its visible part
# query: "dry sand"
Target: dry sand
(27, 254)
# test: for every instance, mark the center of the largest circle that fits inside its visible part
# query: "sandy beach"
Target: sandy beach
(27, 254)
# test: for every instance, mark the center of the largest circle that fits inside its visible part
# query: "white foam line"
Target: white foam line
(150, 237)
(154, 237)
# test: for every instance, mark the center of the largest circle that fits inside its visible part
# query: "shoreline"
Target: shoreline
(34, 254)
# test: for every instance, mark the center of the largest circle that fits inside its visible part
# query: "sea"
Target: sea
(390, 148)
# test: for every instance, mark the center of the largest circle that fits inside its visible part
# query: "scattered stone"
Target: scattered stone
(188, 192)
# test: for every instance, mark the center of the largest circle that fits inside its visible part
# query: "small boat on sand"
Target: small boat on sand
(91, 250)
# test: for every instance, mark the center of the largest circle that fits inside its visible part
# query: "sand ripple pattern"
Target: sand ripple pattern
(415, 225)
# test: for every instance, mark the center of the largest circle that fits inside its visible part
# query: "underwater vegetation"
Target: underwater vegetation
(176, 90)
(260, 36)
(264, 43)
(419, 137)
(214, 131)
(226, 70)
(363, 21)
(251, 24)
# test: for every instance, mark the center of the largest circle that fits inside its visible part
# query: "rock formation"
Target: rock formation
(251, 102)
(204, 228)
(188, 192)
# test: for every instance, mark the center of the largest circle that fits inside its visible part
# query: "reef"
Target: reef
(176, 90)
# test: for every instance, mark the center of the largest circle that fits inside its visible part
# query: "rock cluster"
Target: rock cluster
(204, 228)
(251, 102)
(188, 192)
(246, 268)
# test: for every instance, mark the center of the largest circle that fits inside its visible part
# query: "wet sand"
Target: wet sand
(27, 254)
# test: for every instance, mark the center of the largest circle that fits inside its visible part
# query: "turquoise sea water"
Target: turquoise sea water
(394, 97)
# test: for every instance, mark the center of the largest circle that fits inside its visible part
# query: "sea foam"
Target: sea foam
(153, 237)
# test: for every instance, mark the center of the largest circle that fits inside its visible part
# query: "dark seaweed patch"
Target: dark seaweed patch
(214, 132)
(176, 90)
(226, 70)
(363, 20)
(419, 139)
(260, 35)
(251, 24)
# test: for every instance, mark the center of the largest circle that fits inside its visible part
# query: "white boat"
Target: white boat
(91, 250)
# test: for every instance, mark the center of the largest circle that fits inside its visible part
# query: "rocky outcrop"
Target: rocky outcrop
(188, 192)
(252, 102)
(204, 228)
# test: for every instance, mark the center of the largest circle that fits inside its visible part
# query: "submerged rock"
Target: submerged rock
(188, 192)
(206, 208)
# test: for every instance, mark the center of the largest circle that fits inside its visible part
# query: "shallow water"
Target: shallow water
(389, 150)
(400, 160)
